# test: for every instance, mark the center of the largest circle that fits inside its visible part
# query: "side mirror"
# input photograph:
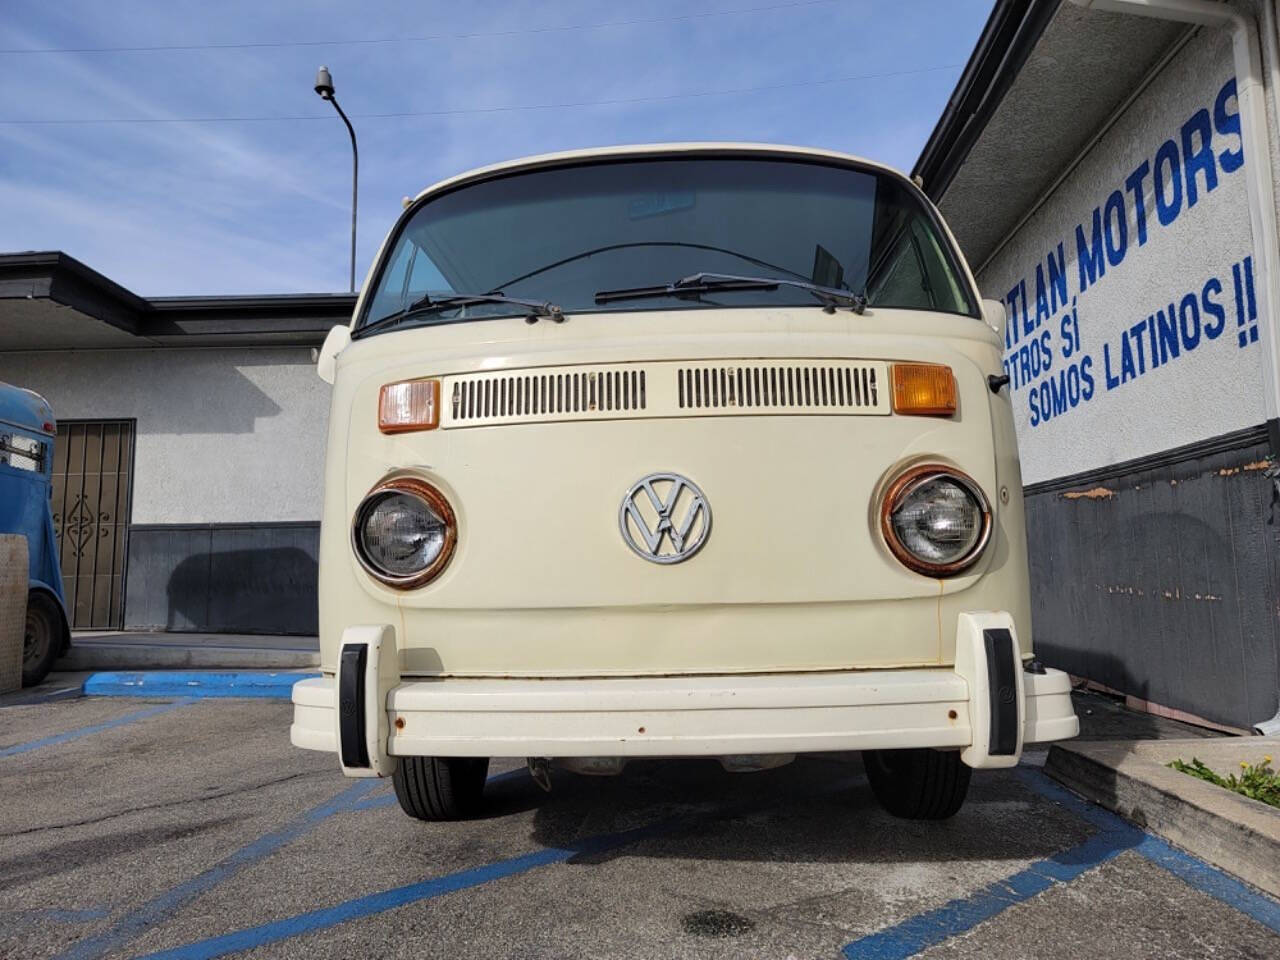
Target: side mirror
(995, 316)
(327, 360)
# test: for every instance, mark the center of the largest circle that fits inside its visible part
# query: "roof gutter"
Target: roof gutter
(1011, 33)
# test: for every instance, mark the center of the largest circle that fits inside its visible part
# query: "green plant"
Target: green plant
(1257, 781)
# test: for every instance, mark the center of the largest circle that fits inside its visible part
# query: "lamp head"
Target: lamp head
(324, 83)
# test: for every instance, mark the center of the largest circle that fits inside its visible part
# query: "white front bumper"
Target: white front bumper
(687, 716)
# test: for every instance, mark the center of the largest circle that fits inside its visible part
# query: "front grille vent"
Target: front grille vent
(775, 387)
(656, 389)
(548, 394)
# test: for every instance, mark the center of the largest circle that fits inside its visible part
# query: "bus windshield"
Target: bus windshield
(565, 235)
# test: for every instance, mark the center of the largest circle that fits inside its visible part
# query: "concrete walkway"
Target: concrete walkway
(171, 651)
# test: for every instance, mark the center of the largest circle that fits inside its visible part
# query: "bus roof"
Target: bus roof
(26, 410)
(654, 151)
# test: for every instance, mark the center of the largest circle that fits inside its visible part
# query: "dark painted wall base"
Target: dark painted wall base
(1159, 578)
(223, 578)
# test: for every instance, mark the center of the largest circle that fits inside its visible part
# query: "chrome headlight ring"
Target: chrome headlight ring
(912, 482)
(438, 512)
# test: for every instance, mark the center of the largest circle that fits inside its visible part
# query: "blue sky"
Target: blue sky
(171, 208)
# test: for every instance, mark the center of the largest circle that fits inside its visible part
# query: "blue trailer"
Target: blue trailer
(27, 434)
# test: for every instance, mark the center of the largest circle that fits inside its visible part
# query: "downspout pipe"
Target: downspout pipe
(1251, 96)
(1271, 43)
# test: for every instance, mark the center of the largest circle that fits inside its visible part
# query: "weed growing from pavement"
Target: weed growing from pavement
(1257, 781)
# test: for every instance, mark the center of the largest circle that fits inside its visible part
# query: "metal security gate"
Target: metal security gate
(92, 473)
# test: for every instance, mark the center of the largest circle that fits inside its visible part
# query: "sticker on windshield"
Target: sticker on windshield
(656, 204)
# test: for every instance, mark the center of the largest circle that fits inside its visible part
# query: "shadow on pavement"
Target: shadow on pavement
(817, 810)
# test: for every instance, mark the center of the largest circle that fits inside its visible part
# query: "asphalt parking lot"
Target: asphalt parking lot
(192, 829)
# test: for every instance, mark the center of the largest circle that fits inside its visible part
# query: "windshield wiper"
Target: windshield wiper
(428, 305)
(687, 288)
(831, 297)
(705, 282)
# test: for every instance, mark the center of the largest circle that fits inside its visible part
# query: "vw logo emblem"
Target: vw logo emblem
(665, 518)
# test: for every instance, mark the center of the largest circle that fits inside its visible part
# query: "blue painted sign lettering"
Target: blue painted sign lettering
(1051, 366)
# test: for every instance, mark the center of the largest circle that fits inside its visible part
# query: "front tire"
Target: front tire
(918, 784)
(440, 788)
(41, 638)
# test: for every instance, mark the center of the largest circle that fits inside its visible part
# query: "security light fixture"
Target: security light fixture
(324, 87)
(324, 83)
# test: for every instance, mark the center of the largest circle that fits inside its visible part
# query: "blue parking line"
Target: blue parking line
(1114, 836)
(253, 937)
(1208, 879)
(259, 684)
(92, 728)
(925, 930)
(160, 908)
(1195, 873)
(353, 799)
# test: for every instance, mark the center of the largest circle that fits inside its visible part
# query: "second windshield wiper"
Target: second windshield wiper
(428, 304)
(704, 282)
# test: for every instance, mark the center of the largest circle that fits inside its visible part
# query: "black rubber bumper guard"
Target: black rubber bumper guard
(351, 718)
(1002, 689)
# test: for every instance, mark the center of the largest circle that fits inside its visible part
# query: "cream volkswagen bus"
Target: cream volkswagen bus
(673, 451)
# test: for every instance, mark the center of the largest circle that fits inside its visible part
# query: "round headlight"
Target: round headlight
(936, 520)
(404, 532)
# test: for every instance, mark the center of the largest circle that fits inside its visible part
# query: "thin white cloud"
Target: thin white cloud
(186, 208)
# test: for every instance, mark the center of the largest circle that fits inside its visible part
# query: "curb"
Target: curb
(155, 656)
(1232, 832)
(266, 685)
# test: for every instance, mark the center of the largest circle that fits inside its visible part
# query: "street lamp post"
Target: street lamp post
(324, 87)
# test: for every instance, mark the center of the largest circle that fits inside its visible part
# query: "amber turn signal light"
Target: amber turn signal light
(924, 389)
(409, 405)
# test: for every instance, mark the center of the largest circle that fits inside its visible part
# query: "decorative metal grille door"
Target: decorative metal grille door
(92, 470)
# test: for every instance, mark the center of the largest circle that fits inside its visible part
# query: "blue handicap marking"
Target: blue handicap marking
(253, 937)
(160, 908)
(93, 728)
(1114, 836)
(255, 684)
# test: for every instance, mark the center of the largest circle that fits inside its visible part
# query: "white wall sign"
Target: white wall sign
(1133, 310)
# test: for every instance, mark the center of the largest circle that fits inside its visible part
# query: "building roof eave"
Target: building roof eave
(1036, 97)
(1011, 33)
(56, 302)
